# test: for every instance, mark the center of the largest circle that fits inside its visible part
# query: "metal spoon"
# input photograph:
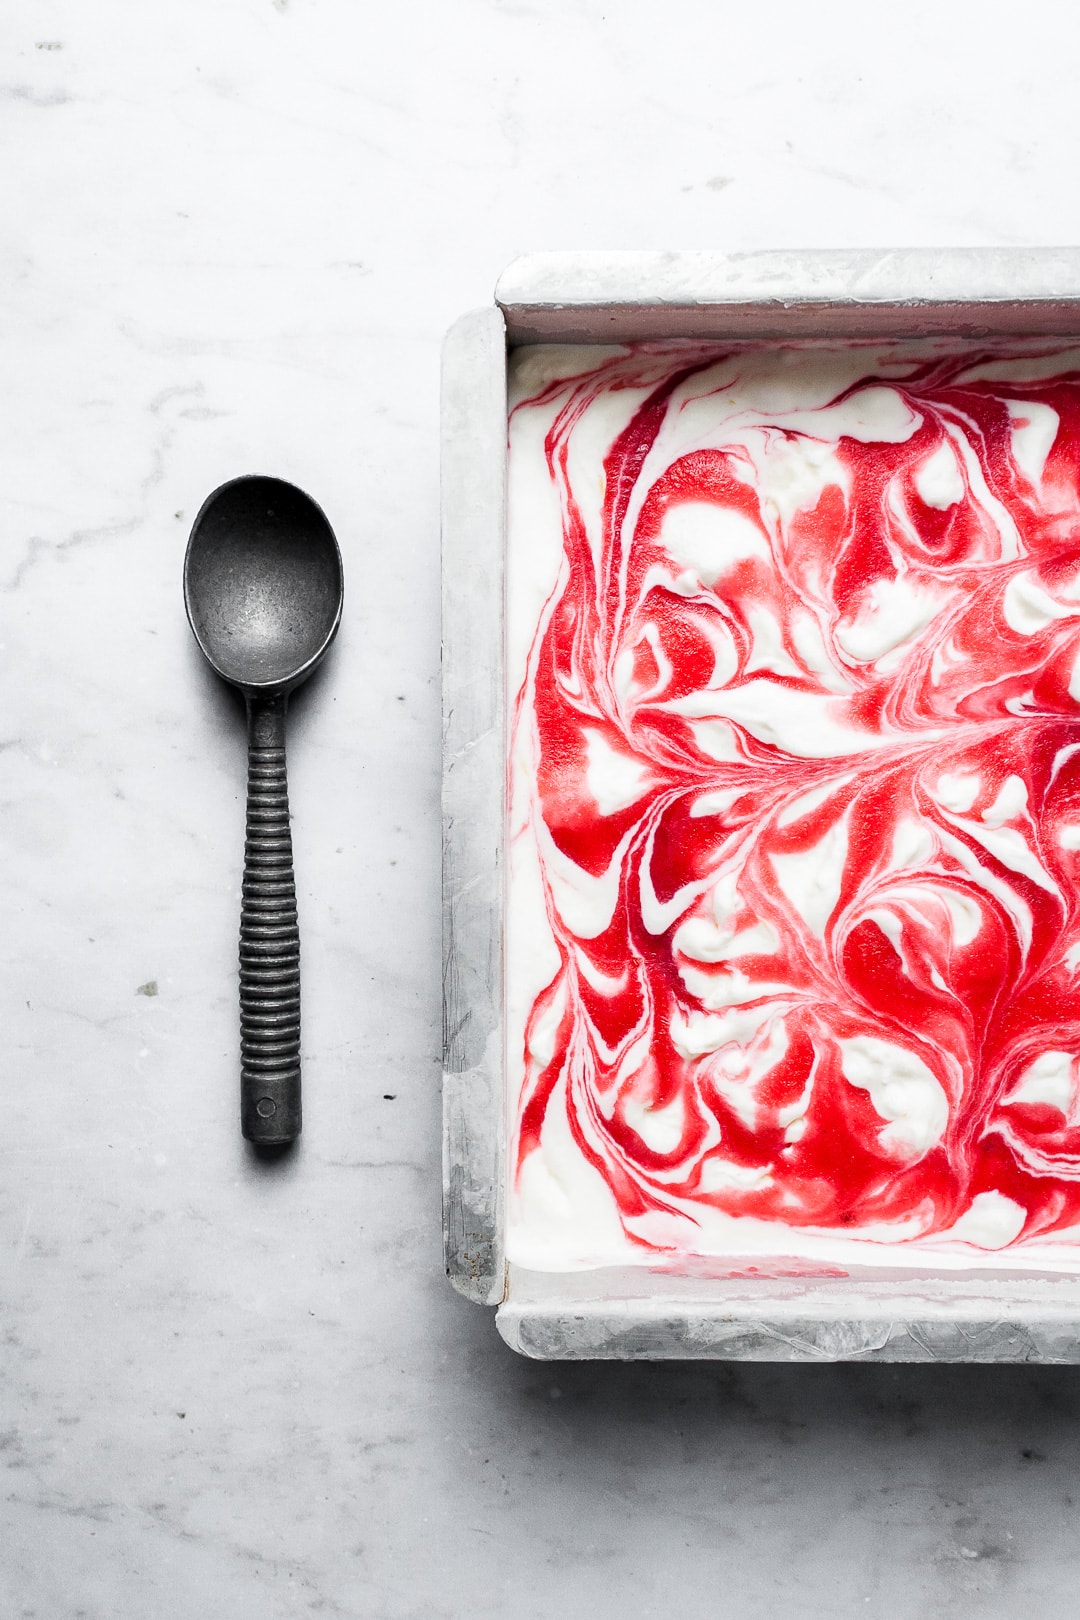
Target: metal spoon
(263, 591)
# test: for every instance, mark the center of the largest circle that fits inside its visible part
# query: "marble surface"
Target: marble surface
(232, 233)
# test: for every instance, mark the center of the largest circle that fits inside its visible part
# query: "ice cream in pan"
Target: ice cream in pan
(793, 925)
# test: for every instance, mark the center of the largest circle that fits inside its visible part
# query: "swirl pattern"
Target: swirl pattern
(793, 927)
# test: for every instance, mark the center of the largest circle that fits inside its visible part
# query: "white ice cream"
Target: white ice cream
(562, 1214)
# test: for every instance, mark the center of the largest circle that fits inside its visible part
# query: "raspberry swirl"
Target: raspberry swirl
(795, 803)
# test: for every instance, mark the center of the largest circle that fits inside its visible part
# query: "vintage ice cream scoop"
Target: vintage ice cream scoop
(263, 591)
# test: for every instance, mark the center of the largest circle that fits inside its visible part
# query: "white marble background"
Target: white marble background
(231, 235)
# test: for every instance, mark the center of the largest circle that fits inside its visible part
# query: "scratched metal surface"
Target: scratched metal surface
(473, 502)
(623, 1316)
(792, 293)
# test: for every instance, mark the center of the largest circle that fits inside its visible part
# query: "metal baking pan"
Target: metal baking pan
(601, 298)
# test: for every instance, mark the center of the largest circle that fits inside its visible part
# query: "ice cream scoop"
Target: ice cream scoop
(263, 591)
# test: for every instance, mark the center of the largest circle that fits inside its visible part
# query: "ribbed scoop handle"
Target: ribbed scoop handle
(269, 940)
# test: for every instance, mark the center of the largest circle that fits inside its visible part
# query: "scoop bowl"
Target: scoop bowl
(263, 584)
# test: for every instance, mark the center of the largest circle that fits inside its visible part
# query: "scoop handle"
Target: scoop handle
(269, 940)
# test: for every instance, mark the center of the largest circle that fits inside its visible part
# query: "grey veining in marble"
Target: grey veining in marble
(231, 239)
